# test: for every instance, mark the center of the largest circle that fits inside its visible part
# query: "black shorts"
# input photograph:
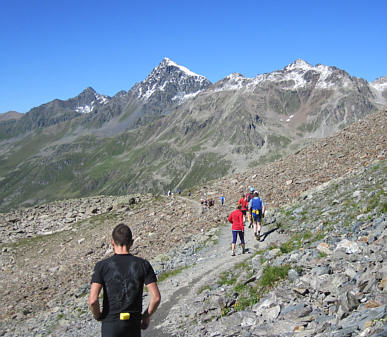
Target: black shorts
(129, 328)
(244, 212)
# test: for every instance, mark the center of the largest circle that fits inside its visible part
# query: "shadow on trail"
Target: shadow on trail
(265, 235)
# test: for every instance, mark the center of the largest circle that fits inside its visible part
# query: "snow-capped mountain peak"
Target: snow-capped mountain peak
(234, 81)
(171, 80)
(299, 64)
(301, 74)
(170, 63)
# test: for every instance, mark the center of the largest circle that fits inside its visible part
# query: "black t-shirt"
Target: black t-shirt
(123, 278)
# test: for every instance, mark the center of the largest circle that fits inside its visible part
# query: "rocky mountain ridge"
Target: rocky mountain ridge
(173, 129)
(170, 84)
(10, 115)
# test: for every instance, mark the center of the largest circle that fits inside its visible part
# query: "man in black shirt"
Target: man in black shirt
(122, 277)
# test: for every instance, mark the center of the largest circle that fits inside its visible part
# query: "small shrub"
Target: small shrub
(272, 274)
(287, 247)
(203, 288)
(322, 255)
(163, 276)
(227, 278)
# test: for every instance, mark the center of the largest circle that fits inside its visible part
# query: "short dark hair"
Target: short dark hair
(122, 235)
(256, 193)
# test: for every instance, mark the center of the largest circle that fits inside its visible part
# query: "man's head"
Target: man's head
(122, 235)
(238, 206)
(256, 194)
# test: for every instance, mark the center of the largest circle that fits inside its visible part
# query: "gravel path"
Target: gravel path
(211, 261)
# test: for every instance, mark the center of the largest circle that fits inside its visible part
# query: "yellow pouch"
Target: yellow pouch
(124, 316)
(256, 211)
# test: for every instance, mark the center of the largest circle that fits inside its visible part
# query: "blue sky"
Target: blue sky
(55, 49)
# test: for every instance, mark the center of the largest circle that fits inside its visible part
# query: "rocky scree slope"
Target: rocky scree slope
(328, 279)
(285, 179)
(66, 258)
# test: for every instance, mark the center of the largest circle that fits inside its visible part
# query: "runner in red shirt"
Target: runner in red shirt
(244, 203)
(236, 218)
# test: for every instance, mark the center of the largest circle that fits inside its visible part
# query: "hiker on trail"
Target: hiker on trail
(258, 208)
(122, 277)
(250, 196)
(238, 228)
(211, 202)
(222, 199)
(179, 191)
(189, 193)
(243, 202)
(169, 193)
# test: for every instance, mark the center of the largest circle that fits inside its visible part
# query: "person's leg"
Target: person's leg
(234, 239)
(259, 225)
(255, 223)
(242, 237)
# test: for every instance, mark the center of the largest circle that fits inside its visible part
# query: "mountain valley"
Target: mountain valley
(174, 129)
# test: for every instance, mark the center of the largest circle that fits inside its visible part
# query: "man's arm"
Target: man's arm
(93, 300)
(154, 303)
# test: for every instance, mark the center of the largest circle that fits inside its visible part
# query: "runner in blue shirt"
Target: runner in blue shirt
(258, 209)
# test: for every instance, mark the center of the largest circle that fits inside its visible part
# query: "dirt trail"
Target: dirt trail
(213, 260)
(197, 204)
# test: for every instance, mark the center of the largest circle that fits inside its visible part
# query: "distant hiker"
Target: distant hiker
(222, 199)
(250, 196)
(244, 205)
(189, 194)
(211, 202)
(169, 193)
(258, 208)
(238, 228)
(122, 277)
(179, 191)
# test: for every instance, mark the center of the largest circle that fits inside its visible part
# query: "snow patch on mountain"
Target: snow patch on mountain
(84, 109)
(379, 84)
(181, 97)
(234, 81)
(87, 108)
